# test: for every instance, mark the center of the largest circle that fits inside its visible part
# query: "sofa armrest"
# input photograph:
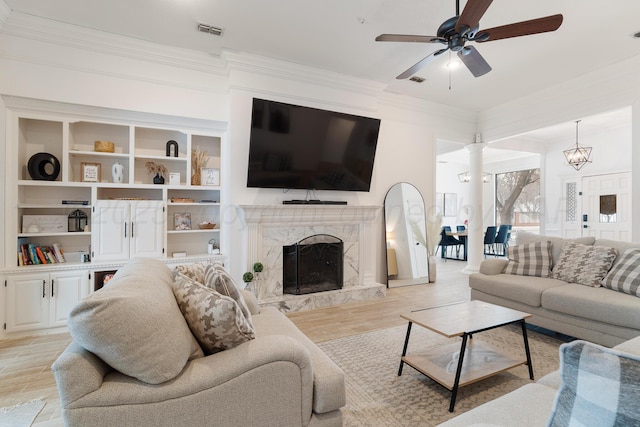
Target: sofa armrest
(631, 346)
(213, 384)
(492, 267)
(78, 372)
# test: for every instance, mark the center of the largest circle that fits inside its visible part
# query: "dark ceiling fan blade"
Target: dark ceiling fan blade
(524, 28)
(471, 14)
(409, 38)
(472, 59)
(411, 71)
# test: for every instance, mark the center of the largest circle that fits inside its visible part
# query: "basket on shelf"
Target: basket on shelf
(206, 225)
(104, 146)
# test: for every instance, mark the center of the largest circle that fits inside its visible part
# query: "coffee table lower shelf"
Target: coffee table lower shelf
(481, 361)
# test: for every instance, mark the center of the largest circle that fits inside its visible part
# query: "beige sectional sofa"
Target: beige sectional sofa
(280, 377)
(533, 404)
(596, 314)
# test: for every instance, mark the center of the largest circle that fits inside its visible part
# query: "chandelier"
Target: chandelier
(579, 155)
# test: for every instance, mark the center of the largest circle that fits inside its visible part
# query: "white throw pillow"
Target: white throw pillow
(135, 325)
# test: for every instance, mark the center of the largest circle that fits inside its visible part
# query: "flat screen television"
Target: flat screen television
(295, 147)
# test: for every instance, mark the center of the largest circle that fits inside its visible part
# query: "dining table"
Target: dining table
(462, 236)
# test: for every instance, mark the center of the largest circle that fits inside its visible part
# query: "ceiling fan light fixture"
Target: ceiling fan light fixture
(453, 64)
(579, 155)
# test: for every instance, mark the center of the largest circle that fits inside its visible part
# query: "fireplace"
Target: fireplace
(314, 264)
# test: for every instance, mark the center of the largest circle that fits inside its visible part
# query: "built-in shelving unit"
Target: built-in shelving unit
(134, 217)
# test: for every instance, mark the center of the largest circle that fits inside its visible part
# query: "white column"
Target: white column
(476, 236)
(635, 171)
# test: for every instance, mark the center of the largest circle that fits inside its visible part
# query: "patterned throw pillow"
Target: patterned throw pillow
(193, 271)
(217, 278)
(585, 265)
(214, 319)
(532, 259)
(625, 275)
(600, 387)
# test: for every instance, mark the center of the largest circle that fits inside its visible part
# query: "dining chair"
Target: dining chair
(502, 239)
(489, 240)
(446, 241)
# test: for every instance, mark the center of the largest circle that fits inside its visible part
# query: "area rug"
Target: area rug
(377, 396)
(22, 414)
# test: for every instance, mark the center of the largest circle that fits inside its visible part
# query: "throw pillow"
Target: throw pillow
(217, 278)
(532, 259)
(600, 387)
(585, 265)
(624, 276)
(193, 271)
(216, 320)
(135, 325)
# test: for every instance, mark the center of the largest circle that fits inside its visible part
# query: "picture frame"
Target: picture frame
(182, 221)
(90, 172)
(210, 176)
(450, 204)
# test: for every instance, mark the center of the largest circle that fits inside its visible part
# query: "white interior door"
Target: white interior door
(606, 206)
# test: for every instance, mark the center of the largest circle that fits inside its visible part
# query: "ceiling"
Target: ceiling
(338, 35)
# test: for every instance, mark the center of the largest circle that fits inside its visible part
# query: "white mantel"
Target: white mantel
(270, 227)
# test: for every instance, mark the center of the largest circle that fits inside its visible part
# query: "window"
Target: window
(518, 199)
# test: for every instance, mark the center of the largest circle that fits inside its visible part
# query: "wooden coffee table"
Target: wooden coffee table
(477, 360)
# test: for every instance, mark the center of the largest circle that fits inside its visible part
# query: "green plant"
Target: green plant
(247, 277)
(258, 267)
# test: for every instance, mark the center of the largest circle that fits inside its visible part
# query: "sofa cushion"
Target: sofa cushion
(217, 278)
(532, 259)
(216, 320)
(524, 237)
(583, 264)
(600, 387)
(624, 276)
(135, 325)
(193, 271)
(620, 246)
(597, 304)
(524, 289)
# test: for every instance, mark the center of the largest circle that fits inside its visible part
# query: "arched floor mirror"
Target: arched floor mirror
(406, 236)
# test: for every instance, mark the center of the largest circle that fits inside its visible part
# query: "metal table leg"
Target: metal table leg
(404, 349)
(526, 347)
(454, 392)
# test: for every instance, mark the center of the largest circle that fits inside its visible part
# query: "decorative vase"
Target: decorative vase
(432, 268)
(249, 287)
(117, 172)
(158, 179)
(195, 178)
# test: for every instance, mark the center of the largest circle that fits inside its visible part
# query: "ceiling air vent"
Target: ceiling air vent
(417, 79)
(205, 28)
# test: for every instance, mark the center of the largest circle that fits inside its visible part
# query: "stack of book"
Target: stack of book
(31, 254)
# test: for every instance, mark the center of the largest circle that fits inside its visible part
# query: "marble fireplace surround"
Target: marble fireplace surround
(270, 227)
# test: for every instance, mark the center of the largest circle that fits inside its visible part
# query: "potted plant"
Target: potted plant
(158, 171)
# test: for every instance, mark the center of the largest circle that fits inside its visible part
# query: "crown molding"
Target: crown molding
(264, 66)
(49, 31)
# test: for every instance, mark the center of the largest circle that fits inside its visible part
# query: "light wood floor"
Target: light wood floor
(25, 364)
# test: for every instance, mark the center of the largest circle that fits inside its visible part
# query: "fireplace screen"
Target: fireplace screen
(314, 264)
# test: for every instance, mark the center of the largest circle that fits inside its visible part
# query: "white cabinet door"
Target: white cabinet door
(110, 230)
(147, 229)
(27, 302)
(122, 230)
(67, 288)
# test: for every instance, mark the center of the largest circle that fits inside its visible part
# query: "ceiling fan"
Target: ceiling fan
(457, 31)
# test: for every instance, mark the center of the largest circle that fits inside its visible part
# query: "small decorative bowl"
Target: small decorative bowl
(206, 225)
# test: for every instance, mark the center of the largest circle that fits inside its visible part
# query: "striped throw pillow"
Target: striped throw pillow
(531, 259)
(624, 276)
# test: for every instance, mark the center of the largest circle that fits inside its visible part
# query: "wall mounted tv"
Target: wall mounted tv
(295, 147)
